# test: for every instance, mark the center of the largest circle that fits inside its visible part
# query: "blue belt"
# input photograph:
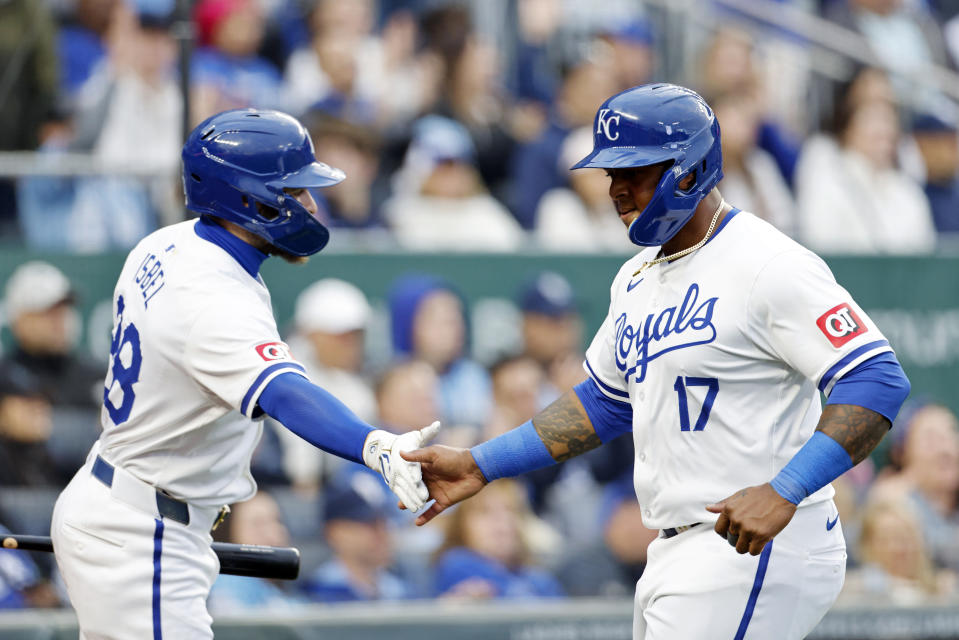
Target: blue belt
(675, 531)
(167, 507)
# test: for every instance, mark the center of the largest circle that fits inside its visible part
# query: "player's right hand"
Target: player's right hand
(451, 475)
(752, 517)
(381, 453)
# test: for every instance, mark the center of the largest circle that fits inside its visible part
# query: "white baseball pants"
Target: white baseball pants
(130, 573)
(696, 586)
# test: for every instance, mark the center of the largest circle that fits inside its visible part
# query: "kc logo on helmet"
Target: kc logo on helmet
(840, 325)
(274, 351)
(605, 122)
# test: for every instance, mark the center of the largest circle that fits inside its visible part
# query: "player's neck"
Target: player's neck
(694, 230)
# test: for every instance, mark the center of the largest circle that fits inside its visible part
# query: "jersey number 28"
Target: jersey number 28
(713, 388)
(125, 362)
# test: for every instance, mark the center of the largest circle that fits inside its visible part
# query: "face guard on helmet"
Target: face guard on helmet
(236, 166)
(653, 124)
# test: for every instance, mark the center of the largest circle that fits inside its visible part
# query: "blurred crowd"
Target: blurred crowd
(456, 121)
(569, 530)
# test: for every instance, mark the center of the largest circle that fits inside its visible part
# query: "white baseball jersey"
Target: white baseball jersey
(722, 355)
(194, 345)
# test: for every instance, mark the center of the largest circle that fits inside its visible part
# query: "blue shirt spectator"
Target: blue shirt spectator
(18, 577)
(81, 41)
(241, 81)
(227, 70)
(429, 322)
(241, 593)
(458, 567)
(486, 553)
(255, 521)
(938, 143)
(355, 515)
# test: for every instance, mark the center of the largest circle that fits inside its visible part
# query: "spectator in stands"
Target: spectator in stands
(256, 521)
(128, 114)
(903, 36)
(21, 583)
(344, 57)
(937, 139)
(895, 562)
(751, 177)
(930, 480)
(535, 78)
(517, 383)
(533, 167)
(227, 72)
(407, 394)
(25, 426)
(330, 321)
(612, 562)
(472, 95)
(82, 41)
(552, 328)
(355, 517)
(28, 90)
(851, 195)
(580, 217)
(486, 553)
(40, 307)
(727, 66)
(428, 322)
(623, 529)
(439, 201)
(354, 148)
(632, 52)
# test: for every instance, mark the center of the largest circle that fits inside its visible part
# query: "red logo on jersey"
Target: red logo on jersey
(840, 325)
(274, 351)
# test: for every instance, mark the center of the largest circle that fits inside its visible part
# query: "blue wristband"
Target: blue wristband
(819, 462)
(512, 453)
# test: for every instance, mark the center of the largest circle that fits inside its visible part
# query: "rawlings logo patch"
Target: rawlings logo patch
(270, 351)
(840, 325)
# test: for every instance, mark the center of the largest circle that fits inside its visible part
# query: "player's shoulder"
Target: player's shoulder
(756, 244)
(201, 273)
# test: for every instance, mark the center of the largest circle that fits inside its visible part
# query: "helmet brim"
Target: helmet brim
(315, 174)
(621, 157)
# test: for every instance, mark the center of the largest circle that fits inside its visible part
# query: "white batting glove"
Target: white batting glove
(381, 453)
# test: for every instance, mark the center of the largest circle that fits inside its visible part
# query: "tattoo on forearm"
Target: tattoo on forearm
(565, 428)
(856, 428)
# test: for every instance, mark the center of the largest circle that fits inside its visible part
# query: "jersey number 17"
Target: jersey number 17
(712, 385)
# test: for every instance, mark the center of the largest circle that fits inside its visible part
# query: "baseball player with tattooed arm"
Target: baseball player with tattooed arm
(721, 334)
(196, 363)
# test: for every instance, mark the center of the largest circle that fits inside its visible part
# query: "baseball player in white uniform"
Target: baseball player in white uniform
(196, 361)
(721, 334)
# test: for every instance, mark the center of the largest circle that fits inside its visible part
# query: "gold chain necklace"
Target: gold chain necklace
(688, 250)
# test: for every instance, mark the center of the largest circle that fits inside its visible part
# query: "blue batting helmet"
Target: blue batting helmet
(236, 166)
(656, 123)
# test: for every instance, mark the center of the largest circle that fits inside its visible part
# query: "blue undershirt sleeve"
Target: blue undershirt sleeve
(878, 384)
(315, 415)
(610, 418)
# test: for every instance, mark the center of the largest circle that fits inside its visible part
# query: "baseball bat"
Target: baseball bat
(251, 560)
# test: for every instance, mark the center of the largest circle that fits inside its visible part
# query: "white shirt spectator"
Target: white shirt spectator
(848, 206)
(434, 223)
(563, 223)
